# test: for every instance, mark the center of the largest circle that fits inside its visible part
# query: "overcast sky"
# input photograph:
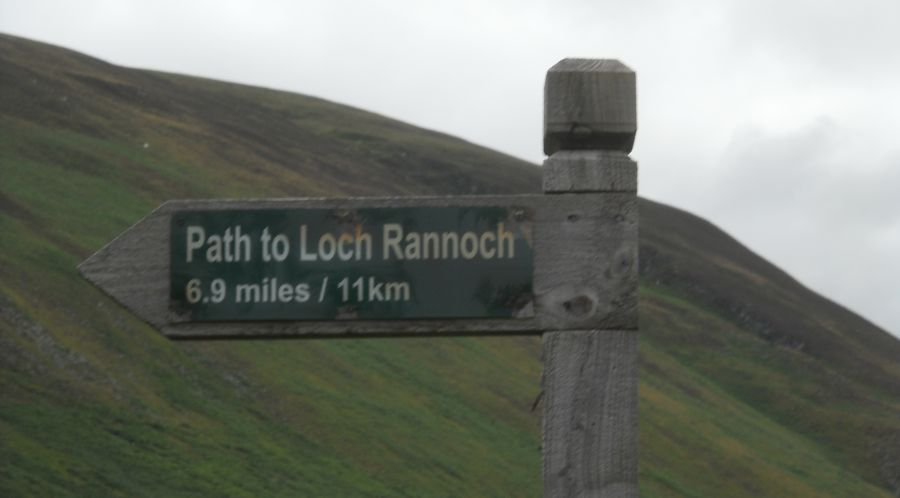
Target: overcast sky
(777, 120)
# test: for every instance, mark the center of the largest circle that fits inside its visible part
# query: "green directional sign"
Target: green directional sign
(364, 263)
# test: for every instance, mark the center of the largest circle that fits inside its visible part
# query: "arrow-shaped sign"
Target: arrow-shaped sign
(382, 266)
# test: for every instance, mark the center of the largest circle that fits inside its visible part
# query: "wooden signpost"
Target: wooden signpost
(590, 374)
(562, 264)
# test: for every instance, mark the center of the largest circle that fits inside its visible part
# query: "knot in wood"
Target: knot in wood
(579, 306)
(621, 264)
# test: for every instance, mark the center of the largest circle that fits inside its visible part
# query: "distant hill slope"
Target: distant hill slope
(751, 385)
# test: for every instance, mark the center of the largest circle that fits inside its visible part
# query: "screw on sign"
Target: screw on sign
(562, 264)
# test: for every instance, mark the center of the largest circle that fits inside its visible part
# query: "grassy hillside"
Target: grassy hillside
(750, 384)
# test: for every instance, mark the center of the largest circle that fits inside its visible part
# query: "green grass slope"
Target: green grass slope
(807, 366)
(750, 384)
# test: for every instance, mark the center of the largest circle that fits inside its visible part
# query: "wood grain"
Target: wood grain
(590, 413)
(589, 104)
(590, 376)
(589, 171)
(585, 269)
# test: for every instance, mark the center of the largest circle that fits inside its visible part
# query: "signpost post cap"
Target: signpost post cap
(589, 104)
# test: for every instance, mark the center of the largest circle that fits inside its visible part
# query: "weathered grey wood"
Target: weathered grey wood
(590, 171)
(589, 104)
(590, 414)
(590, 376)
(585, 273)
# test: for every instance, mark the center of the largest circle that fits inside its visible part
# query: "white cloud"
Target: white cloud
(799, 198)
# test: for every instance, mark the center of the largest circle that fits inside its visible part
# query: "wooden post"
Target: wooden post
(590, 376)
